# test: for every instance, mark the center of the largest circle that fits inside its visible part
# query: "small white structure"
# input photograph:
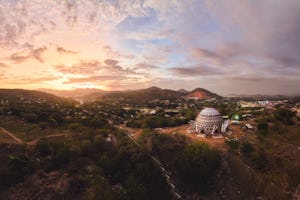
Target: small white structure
(152, 112)
(225, 126)
(249, 126)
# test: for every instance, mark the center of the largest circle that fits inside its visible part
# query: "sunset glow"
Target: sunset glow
(237, 47)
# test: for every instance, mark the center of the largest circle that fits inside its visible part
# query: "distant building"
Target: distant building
(152, 112)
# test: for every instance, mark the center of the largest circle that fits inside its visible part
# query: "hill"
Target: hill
(182, 91)
(18, 94)
(140, 96)
(75, 94)
(144, 95)
(201, 93)
(150, 94)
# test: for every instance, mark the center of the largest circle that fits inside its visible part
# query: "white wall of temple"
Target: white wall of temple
(208, 129)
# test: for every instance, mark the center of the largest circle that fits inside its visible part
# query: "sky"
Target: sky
(228, 47)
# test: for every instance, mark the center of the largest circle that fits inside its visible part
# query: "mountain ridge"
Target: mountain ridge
(133, 96)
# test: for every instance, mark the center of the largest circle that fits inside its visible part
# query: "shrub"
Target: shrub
(247, 148)
(263, 127)
(284, 115)
(232, 143)
(43, 147)
(260, 160)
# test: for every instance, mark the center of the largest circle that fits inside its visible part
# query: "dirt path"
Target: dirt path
(33, 142)
(18, 140)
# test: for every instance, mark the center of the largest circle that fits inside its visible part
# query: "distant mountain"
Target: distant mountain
(75, 94)
(131, 96)
(201, 93)
(182, 91)
(150, 94)
(19, 94)
(144, 95)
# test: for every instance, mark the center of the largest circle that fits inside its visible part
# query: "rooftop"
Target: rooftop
(209, 112)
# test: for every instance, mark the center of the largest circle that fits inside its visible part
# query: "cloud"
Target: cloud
(31, 81)
(37, 53)
(23, 56)
(93, 67)
(64, 51)
(82, 68)
(182, 39)
(247, 78)
(111, 62)
(36, 80)
(94, 79)
(3, 65)
(110, 52)
(257, 24)
(195, 71)
(145, 66)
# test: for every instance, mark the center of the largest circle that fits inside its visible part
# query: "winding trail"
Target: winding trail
(33, 142)
(18, 140)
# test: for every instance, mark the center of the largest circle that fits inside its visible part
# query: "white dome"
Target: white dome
(208, 121)
(209, 112)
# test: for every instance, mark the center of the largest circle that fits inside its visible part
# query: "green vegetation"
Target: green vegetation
(247, 148)
(95, 160)
(285, 116)
(263, 127)
(155, 122)
(198, 166)
(95, 166)
(233, 143)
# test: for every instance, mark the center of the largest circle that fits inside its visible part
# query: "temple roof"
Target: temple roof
(209, 112)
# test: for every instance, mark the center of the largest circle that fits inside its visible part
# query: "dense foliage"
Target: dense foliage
(96, 167)
(199, 165)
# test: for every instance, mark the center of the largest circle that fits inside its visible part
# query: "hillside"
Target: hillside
(145, 95)
(201, 93)
(77, 93)
(129, 96)
(150, 94)
(67, 150)
(15, 94)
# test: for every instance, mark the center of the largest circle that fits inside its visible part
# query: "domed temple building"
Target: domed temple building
(209, 122)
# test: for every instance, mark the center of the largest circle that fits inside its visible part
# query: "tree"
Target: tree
(20, 166)
(263, 127)
(52, 122)
(246, 148)
(284, 115)
(260, 160)
(43, 147)
(198, 165)
(30, 117)
(98, 122)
